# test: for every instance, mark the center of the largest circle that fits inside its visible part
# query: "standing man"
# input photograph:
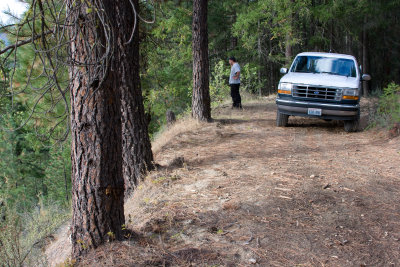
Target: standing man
(234, 83)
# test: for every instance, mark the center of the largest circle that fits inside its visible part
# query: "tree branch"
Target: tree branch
(24, 42)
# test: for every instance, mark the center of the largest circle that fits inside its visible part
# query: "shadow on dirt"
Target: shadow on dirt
(221, 122)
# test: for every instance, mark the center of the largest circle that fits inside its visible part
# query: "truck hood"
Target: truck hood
(321, 79)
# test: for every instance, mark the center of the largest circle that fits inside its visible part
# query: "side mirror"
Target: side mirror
(366, 77)
(284, 70)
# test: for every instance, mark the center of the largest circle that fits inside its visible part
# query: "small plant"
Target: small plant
(388, 111)
(176, 177)
(159, 180)
(111, 236)
(82, 243)
(389, 102)
(176, 236)
(68, 263)
(219, 88)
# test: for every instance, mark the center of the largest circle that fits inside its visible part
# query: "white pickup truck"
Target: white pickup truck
(321, 85)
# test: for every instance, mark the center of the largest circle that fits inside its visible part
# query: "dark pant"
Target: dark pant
(237, 101)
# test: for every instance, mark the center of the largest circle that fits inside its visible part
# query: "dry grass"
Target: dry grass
(60, 249)
(164, 137)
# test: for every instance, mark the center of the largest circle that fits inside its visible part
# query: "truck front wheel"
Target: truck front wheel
(352, 126)
(281, 119)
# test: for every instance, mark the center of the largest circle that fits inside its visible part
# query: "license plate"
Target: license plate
(315, 111)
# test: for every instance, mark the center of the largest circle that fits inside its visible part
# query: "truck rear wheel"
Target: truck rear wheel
(281, 119)
(352, 126)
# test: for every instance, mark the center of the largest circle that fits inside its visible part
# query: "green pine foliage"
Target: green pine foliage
(388, 108)
(32, 162)
(57, 179)
(167, 70)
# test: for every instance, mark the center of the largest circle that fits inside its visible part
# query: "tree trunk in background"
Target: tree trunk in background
(137, 154)
(234, 39)
(331, 38)
(288, 36)
(365, 67)
(288, 50)
(201, 109)
(259, 54)
(270, 70)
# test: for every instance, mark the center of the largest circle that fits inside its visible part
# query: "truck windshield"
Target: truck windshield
(329, 65)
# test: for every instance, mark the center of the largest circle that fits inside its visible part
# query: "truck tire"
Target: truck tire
(281, 119)
(352, 126)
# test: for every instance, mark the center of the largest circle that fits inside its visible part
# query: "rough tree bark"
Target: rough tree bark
(137, 154)
(201, 107)
(109, 74)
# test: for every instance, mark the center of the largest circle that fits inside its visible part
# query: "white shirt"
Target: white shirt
(234, 69)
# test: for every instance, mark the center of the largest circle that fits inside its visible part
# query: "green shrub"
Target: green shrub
(388, 110)
(249, 79)
(389, 102)
(219, 88)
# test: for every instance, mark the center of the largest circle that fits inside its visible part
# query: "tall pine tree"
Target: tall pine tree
(201, 106)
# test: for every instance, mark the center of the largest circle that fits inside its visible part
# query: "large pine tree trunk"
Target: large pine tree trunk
(201, 108)
(137, 154)
(104, 71)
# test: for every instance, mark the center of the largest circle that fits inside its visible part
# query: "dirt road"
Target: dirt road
(251, 194)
